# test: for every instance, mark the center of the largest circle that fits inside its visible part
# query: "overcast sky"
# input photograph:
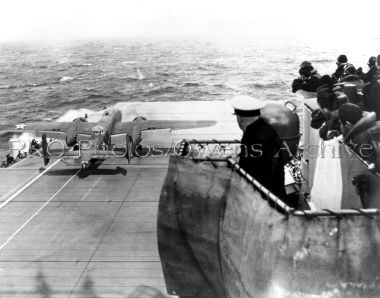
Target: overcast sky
(207, 19)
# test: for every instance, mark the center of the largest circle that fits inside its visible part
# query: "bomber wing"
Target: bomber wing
(54, 130)
(57, 130)
(49, 126)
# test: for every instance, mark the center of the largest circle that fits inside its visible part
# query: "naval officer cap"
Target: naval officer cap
(247, 106)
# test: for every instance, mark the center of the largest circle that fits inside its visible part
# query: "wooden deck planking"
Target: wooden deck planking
(11, 183)
(87, 226)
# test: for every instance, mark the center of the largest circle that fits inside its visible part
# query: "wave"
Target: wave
(322, 60)
(129, 78)
(40, 66)
(54, 96)
(127, 62)
(213, 73)
(162, 90)
(8, 87)
(82, 65)
(35, 85)
(116, 92)
(92, 96)
(80, 100)
(6, 135)
(164, 74)
(266, 85)
(34, 65)
(201, 93)
(89, 89)
(217, 65)
(191, 85)
(66, 79)
(222, 86)
(29, 85)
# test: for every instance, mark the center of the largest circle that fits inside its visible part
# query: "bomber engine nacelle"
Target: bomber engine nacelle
(71, 134)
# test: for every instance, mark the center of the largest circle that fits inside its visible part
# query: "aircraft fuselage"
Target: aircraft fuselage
(101, 131)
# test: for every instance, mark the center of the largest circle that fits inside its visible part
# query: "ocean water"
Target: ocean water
(45, 81)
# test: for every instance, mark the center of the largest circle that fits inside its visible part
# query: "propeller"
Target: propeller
(129, 149)
(44, 144)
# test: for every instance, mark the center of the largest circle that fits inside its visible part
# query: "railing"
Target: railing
(270, 197)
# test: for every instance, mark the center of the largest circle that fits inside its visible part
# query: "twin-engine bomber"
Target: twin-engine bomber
(109, 137)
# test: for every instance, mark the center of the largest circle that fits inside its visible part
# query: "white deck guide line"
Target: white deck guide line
(28, 184)
(38, 211)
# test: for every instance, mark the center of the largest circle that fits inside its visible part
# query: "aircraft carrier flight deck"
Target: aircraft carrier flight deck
(69, 232)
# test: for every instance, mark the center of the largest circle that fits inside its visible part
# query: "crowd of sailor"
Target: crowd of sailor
(349, 103)
(10, 159)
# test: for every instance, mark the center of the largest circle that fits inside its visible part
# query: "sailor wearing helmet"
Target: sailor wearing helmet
(260, 144)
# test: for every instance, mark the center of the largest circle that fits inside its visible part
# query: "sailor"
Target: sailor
(325, 82)
(329, 102)
(349, 114)
(260, 145)
(305, 63)
(308, 80)
(367, 77)
(349, 73)
(10, 159)
(371, 93)
(355, 126)
(340, 62)
(318, 117)
(344, 68)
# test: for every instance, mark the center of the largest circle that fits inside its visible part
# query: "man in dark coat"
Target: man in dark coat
(260, 145)
(341, 62)
(371, 94)
(329, 102)
(343, 70)
(367, 77)
(309, 79)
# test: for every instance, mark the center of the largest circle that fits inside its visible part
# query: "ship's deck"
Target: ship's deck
(85, 233)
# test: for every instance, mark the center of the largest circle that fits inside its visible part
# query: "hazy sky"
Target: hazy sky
(207, 19)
